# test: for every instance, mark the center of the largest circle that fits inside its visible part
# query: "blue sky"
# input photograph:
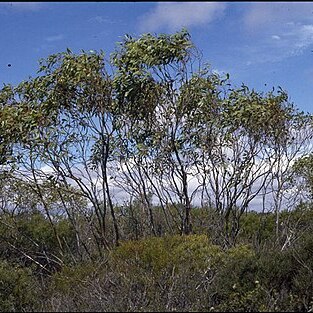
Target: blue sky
(262, 44)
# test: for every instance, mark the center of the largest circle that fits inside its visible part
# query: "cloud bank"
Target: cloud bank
(173, 16)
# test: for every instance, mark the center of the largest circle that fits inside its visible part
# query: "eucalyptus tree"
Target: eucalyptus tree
(25, 186)
(299, 189)
(244, 143)
(73, 146)
(264, 122)
(296, 144)
(151, 70)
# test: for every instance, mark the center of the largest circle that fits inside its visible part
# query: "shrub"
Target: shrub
(154, 274)
(18, 288)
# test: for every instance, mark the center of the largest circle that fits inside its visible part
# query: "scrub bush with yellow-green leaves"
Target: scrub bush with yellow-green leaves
(185, 273)
(18, 288)
(154, 274)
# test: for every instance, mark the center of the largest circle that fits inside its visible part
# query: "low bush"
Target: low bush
(19, 290)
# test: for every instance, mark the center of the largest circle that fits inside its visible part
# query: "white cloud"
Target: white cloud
(22, 6)
(277, 31)
(175, 15)
(304, 35)
(275, 37)
(292, 41)
(102, 20)
(263, 15)
(54, 38)
(257, 15)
